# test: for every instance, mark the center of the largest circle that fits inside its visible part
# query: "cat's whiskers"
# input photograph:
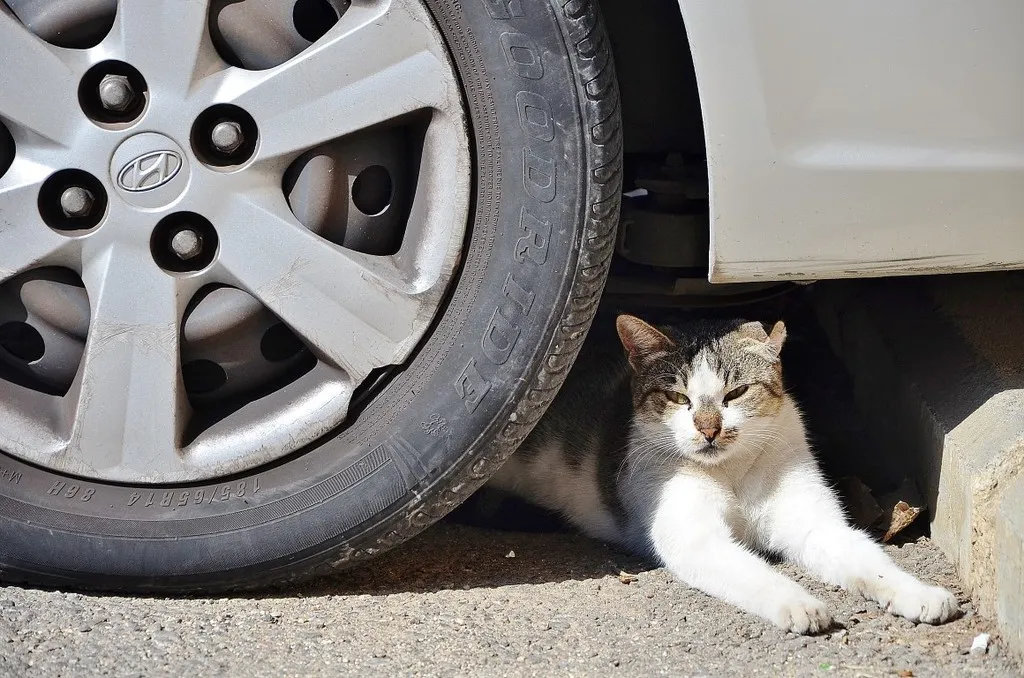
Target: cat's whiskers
(649, 453)
(764, 439)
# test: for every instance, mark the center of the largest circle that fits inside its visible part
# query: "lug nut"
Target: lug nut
(116, 93)
(76, 202)
(227, 136)
(187, 244)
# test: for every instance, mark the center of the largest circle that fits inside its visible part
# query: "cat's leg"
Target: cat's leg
(690, 533)
(805, 523)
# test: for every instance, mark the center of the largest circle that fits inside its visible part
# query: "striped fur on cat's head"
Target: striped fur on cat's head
(707, 390)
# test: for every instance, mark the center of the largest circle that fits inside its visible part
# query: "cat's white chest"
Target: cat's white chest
(750, 482)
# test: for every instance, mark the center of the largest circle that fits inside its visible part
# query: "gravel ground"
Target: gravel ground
(455, 601)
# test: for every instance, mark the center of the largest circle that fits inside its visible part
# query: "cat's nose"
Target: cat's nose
(711, 432)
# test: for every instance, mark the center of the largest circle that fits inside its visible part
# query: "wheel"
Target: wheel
(284, 281)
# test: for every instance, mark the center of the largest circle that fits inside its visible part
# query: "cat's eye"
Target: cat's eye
(677, 397)
(735, 393)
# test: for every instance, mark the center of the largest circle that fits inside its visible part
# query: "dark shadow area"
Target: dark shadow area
(927, 338)
(928, 352)
(449, 556)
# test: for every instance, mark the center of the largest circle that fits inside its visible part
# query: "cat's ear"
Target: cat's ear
(640, 339)
(752, 330)
(771, 340)
(777, 337)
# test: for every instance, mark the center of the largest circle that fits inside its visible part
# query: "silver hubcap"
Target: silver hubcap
(198, 271)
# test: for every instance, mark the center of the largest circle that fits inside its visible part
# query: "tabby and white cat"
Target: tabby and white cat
(689, 449)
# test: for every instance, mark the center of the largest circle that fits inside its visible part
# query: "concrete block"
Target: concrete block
(1010, 563)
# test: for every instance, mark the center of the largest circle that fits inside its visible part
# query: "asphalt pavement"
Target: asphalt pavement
(465, 601)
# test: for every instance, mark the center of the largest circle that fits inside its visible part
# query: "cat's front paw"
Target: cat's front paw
(927, 604)
(803, 614)
(907, 597)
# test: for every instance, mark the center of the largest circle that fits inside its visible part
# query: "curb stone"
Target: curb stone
(1010, 564)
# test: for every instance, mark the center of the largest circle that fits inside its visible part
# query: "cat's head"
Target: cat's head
(709, 390)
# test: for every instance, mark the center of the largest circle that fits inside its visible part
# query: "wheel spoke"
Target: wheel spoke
(262, 33)
(355, 311)
(148, 32)
(381, 65)
(128, 398)
(38, 89)
(25, 241)
(440, 207)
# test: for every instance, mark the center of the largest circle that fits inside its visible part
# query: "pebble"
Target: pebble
(980, 643)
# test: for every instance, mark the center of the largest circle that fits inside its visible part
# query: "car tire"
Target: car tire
(540, 91)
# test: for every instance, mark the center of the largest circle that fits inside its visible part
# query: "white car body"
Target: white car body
(861, 138)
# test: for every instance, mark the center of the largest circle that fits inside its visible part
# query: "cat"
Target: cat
(686, 447)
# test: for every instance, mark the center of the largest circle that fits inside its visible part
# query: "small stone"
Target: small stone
(510, 554)
(627, 578)
(980, 644)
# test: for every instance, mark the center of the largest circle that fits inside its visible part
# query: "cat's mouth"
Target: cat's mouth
(710, 450)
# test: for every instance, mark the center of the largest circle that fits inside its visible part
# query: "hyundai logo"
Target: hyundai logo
(149, 171)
